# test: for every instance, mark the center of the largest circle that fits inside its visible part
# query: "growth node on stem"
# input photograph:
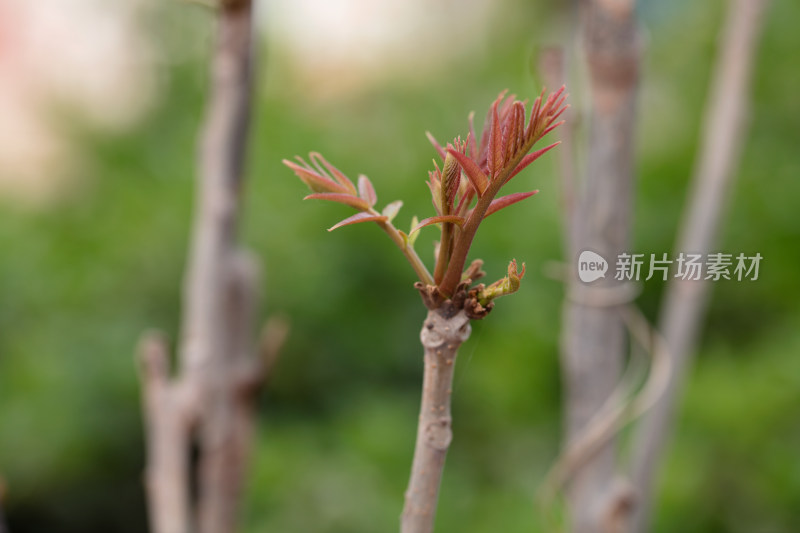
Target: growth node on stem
(464, 299)
(440, 329)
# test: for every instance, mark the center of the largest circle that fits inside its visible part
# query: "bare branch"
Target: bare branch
(203, 406)
(685, 301)
(593, 345)
(441, 337)
(168, 422)
(622, 407)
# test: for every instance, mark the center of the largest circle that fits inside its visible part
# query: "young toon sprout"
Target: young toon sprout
(465, 191)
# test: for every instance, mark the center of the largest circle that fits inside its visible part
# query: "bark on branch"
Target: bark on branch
(199, 423)
(441, 337)
(593, 343)
(685, 300)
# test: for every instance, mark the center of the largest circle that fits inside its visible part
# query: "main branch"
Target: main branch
(441, 337)
(209, 405)
(593, 340)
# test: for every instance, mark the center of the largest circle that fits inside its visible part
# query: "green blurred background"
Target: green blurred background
(84, 273)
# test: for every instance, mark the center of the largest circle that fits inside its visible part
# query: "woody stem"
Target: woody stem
(441, 337)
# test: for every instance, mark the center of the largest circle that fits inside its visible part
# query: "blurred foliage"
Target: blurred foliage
(80, 281)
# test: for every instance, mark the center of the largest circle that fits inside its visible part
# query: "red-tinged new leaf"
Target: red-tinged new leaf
(465, 200)
(435, 144)
(530, 158)
(366, 191)
(337, 174)
(359, 217)
(437, 220)
(472, 141)
(506, 107)
(495, 156)
(347, 199)
(315, 182)
(472, 170)
(513, 130)
(553, 101)
(535, 117)
(551, 127)
(505, 201)
(436, 193)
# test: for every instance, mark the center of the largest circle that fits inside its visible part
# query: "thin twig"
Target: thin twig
(619, 410)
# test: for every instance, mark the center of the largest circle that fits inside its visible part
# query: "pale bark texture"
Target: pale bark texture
(685, 301)
(441, 337)
(594, 338)
(199, 422)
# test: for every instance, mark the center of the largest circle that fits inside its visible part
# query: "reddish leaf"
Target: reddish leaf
(437, 220)
(519, 126)
(530, 158)
(472, 141)
(359, 217)
(495, 156)
(557, 114)
(512, 130)
(472, 170)
(506, 107)
(551, 127)
(483, 145)
(465, 200)
(505, 201)
(317, 158)
(435, 144)
(366, 191)
(553, 101)
(436, 192)
(534, 120)
(315, 182)
(347, 199)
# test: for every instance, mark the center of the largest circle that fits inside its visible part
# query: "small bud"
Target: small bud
(451, 179)
(507, 285)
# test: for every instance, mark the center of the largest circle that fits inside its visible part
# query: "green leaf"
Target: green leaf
(359, 217)
(412, 237)
(391, 210)
(404, 236)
